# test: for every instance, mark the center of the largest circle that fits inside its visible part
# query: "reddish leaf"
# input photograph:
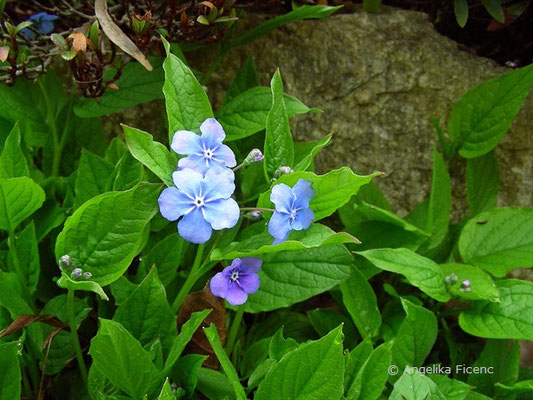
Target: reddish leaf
(4, 53)
(199, 301)
(25, 320)
(79, 42)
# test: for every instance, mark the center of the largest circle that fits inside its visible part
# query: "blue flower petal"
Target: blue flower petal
(249, 282)
(236, 295)
(173, 204)
(250, 264)
(279, 226)
(304, 192)
(188, 181)
(221, 214)
(224, 153)
(212, 133)
(186, 142)
(219, 285)
(28, 33)
(194, 162)
(303, 219)
(194, 228)
(219, 183)
(46, 27)
(282, 197)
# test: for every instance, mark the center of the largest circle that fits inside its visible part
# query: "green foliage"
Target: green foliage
(341, 304)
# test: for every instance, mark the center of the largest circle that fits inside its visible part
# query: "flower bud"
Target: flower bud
(253, 156)
(451, 279)
(87, 275)
(76, 273)
(466, 283)
(254, 215)
(284, 170)
(65, 261)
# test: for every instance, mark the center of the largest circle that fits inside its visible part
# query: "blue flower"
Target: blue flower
(202, 202)
(203, 151)
(42, 23)
(292, 209)
(237, 281)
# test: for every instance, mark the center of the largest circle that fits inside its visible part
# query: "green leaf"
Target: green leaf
(11, 295)
(316, 236)
(245, 79)
(166, 255)
(499, 240)
(246, 113)
(279, 148)
(127, 173)
(19, 198)
(28, 256)
(494, 7)
(10, 376)
(91, 177)
(12, 160)
(482, 182)
(325, 320)
(186, 101)
(439, 207)
(460, 8)
(522, 386)
(419, 271)
(166, 392)
(485, 113)
(119, 357)
(415, 337)
(135, 86)
(152, 154)
(333, 189)
(313, 370)
(452, 389)
(414, 386)
(279, 346)
(103, 235)
(503, 358)
(289, 277)
(355, 360)
(373, 375)
(186, 333)
(215, 385)
(305, 152)
(511, 318)
(361, 302)
(66, 282)
(482, 286)
(227, 366)
(187, 371)
(304, 12)
(146, 313)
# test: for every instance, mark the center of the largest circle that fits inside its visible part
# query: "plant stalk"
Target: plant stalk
(74, 334)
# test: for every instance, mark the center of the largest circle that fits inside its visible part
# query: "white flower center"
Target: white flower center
(208, 153)
(199, 201)
(234, 276)
(293, 214)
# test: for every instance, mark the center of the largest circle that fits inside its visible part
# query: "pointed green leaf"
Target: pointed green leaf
(12, 160)
(91, 177)
(10, 376)
(482, 182)
(19, 198)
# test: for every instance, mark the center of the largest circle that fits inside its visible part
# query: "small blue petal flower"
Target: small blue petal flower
(202, 202)
(237, 281)
(203, 151)
(292, 209)
(42, 23)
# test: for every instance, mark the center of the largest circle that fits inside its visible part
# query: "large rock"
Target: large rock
(379, 78)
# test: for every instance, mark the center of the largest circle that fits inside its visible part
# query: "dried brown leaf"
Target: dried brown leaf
(79, 41)
(118, 37)
(25, 320)
(198, 301)
(4, 53)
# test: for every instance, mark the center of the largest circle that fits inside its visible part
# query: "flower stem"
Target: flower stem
(18, 269)
(191, 279)
(74, 334)
(235, 325)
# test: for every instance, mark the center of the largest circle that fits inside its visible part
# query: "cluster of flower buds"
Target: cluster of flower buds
(254, 215)
(465, 286)
(253, 156)
(77, 273)
(451, 279)
(284, 170)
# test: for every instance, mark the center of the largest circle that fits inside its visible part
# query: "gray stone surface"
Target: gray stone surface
(378, 78)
